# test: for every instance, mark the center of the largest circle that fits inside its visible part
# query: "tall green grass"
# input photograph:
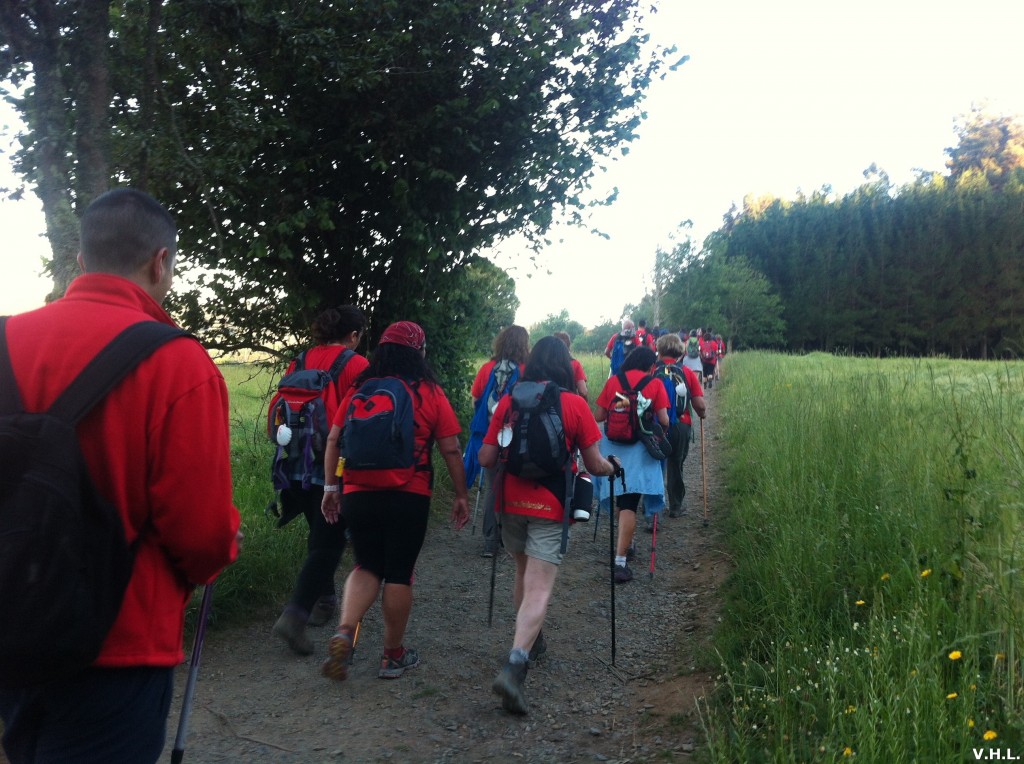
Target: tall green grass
(875, 609)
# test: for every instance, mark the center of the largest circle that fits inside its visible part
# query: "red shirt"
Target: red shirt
(157, 447)
(527, 497)
(433, 418)
(578, 375)
(654, 390)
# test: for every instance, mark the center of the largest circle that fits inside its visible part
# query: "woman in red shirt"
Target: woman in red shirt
(531, 513)
(643, 473)
(387, 526)
(314, 599)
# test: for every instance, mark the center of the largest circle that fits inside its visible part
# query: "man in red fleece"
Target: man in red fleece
(157, 448)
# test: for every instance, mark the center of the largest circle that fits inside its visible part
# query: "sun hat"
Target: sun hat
(404, 333)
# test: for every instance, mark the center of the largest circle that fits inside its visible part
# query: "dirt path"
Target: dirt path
(257, 702)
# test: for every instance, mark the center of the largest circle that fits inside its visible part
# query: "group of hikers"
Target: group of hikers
(127, 507)
(535, 451)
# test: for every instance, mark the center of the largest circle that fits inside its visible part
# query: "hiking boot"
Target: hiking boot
(323, 611)
(392, 668)
(291, 627)
(339, 653)
(678, 511)
(509, 685)
(537, 651)
(623, 575)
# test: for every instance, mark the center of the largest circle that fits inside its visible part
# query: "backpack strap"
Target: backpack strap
(300, 362)
(126, 351)
(339, 363)
(10, 396)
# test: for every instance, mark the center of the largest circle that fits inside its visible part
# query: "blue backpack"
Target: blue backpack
(503, 376)
(624, 343)
(378, 439)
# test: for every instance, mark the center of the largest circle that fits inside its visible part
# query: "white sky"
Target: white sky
(775, 97)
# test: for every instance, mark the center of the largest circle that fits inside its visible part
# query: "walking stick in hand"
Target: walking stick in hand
(703, 472)
(654, 545)
(476, 506)
(178, 752)
(619, 472)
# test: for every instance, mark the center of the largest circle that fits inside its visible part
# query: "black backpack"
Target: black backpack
(299, 407)
(64, 560)
(537, 450)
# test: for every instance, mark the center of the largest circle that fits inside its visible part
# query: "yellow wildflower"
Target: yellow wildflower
(955, 655)
(885, 576)
(859, 602)
(970, 723)
(951, 696)
(990, 735)
(1000, 656)
(847, 751)
(926, 572)
(851, 709)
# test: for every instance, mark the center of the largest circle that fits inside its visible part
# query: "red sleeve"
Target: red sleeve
(692, 383)
(607, 396)
(611, 342)
(578, 373)
(491, 438)
(480, 381)
(580, 427)
(339, 414)
(445, 423)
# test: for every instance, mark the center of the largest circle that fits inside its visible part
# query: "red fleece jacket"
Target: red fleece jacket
(157, 448)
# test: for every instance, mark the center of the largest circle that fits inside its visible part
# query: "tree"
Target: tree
(989, 148)
(339, 152)
(556, 323)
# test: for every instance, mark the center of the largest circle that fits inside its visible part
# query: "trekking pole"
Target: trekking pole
(703, 472)
(611, 538)
(178, 752)
(476, 506)
(654, 545)
(494, 573)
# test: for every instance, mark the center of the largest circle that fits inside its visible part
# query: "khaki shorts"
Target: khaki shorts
(537, 537)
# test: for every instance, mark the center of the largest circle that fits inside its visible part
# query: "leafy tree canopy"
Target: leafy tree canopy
(556, 323)
(322, 153)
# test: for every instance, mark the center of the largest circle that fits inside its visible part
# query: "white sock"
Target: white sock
(620, 561)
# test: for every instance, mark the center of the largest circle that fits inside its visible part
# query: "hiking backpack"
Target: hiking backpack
(709, 352)
(378, 439)
(64, 559)
(297, 422)
(623, 423)
(675, 374)
(537, 449)
(622, 346)
(504, 374)
(693, 347)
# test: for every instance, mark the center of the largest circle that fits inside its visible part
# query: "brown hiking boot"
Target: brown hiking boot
(339, 649)
(323, 611)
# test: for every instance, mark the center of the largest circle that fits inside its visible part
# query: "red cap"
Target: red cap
(404, 333)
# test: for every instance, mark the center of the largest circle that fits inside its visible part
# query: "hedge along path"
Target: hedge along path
(258, 702)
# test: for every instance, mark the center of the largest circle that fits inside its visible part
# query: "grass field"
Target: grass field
(875, 609)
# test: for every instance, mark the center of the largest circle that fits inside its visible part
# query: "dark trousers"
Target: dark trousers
(99, 716)
(679, 437)
(324, 547)
(490, 519)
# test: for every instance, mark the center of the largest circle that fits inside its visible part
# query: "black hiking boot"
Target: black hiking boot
(509, 685)
(291, 627)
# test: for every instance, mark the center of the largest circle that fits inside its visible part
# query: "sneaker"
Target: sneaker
(323, 611)
(537, 651)
(509, 685)
(488, 551)
(623, 575)
(291, 627)
(339, 651)
(631, 553)
(392, 668)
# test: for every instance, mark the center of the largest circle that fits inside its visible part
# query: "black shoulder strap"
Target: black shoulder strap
(110, 366)
(10, 397)
(339, 363)
(626, 389)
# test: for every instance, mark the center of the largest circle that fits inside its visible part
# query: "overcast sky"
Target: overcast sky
(776, 97)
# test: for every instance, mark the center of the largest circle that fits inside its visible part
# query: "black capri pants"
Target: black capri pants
(387, 529)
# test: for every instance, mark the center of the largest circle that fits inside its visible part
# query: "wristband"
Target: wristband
(332, 488)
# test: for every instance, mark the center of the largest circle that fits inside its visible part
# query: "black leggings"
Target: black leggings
(324, 547)
(387, 529)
